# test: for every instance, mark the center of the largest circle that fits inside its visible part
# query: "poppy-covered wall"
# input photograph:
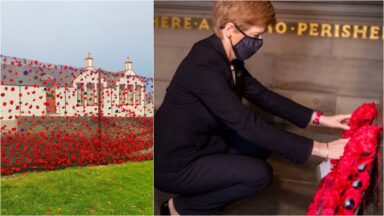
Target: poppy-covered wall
(55, 116)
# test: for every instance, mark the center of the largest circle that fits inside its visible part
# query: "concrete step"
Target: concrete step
(281, 198)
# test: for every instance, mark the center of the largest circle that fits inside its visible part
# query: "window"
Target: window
(130, 94)
(51, 100)
(122, 94)
(80, 93)
(90, 94)
(138, 94)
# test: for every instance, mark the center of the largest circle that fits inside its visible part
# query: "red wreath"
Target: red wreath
(341, 191)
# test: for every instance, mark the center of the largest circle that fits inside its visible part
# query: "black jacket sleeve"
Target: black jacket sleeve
(272, 102)
(275, 103)
(212, 88)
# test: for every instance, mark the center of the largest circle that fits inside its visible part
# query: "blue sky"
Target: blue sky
(63, 32)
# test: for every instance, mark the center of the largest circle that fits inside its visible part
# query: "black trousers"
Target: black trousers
(211, 182)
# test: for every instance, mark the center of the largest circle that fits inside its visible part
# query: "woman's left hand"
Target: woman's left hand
(336, 121)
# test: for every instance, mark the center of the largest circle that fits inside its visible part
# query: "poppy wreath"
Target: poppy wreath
(341, 191)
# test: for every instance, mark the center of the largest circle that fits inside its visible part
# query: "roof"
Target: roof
(26, 72)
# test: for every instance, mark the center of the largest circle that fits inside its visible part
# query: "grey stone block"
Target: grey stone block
(342, 76)
(325, 102)
(160, 90)
(167, 59)
(361, 49)
(262, 67)
(178, 38)
(349, 104)
(292, 44)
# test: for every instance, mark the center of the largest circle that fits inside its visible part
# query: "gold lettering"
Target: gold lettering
(204, 24)
(345, 31)
(313, 31)
(281, 28)
(337, 30)
(156, 22)
(374, 34)
(382, 32)
(164, 22)
(187, 23)
(326, 30)
(301, 27)
(175, 22)
(357, 31)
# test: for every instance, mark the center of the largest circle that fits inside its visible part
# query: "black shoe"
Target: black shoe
(164, 208)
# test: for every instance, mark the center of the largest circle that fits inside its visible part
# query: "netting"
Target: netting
(55, 116)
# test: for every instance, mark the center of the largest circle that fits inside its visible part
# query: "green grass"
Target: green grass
(123, 189)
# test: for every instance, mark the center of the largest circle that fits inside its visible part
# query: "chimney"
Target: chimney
(128, 64)
(89, 61)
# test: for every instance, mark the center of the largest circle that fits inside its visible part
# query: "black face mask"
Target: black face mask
(247, 46)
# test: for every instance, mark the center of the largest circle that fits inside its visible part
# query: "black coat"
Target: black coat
(201, 101)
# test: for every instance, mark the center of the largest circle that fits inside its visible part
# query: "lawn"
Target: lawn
(123, 189)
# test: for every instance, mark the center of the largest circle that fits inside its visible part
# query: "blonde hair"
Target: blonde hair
(243, 13)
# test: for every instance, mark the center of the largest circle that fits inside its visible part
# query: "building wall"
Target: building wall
(29, 101)
(88, 76)
(137, 109)
(22, 101)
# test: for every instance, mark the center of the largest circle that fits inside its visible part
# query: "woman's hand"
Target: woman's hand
(336, 148)
(330, 150)
(335, 121)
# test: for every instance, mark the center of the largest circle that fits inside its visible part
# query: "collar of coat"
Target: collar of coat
(218, 47)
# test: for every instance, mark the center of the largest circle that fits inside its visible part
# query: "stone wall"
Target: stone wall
(331, 74)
